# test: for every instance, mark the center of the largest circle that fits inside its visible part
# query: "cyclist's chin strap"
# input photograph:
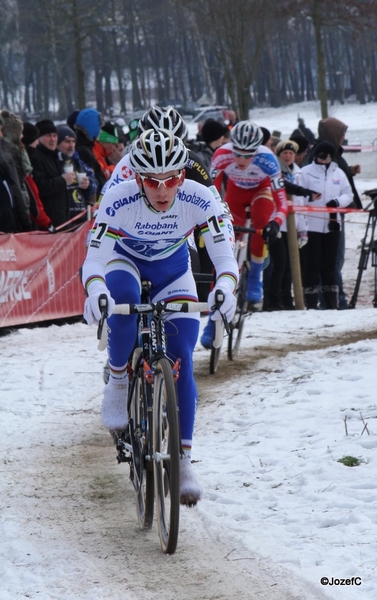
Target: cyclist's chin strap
(146, 199)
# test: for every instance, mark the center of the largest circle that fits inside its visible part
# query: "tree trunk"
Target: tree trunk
(321, 69)
(80, 74)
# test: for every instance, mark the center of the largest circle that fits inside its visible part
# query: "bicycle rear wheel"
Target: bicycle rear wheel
(236, 326)
(166, 455)
(142, 470)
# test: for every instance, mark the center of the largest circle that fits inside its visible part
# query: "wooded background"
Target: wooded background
(121, 55)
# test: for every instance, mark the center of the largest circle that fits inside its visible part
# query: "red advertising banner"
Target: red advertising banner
(40, 276)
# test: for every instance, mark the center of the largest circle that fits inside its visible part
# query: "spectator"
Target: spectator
(9, 222)
(104, 146)
(81, 192)
(87, 128)
(320, 253)
(39, 217)
(213, 133)
(48, 174)
(303, 147)
(304, 131)
(15, 156)
(119, 149)
(279, 295)
(333, 131)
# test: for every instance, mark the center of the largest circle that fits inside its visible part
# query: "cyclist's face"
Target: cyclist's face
(162, 197)
(242, 162)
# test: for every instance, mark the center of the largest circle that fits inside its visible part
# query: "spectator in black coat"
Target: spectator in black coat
(48, 174)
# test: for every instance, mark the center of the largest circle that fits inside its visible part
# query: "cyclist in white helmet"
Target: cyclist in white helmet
(253, 180)
(140, 233)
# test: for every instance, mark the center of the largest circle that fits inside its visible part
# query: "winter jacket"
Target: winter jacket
(333, 184)
(47, 174)
(13, 156)
(84, 148)
(204, 152)
(101, 154)
(332, 130)
(292, 175)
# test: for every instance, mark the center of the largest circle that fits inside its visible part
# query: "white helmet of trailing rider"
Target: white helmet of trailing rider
(163, 117)
(246, 135)
(158, 151)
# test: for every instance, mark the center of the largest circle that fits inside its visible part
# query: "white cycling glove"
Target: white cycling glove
(92, 313)
(228, 306)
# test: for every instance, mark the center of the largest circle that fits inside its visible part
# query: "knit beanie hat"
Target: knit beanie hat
(89, 120)
(71, 119)
(213, 130)
(45, 127)
(286, 145)
(12, 126)
(65, 132)
(323, 149)
(108, 133)
(30, 133)
(301, 141)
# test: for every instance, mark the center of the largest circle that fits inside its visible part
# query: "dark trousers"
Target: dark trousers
(320, 255)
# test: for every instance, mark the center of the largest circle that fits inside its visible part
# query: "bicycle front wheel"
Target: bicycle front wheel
(236, 326)
(166, 455)
(214, 359)
(142, 469)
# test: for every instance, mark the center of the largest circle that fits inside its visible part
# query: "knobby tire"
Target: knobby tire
(236, 326)
(166, 442)
(143, 477)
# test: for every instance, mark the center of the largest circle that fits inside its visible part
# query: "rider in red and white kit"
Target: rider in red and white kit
(253, 179)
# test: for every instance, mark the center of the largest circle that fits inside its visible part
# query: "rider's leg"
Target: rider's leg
(261, 211)
(124, 287)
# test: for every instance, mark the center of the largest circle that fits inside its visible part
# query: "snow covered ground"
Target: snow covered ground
(280, 512)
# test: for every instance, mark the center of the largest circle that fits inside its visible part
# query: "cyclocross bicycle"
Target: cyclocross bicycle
(242, 255)
(152, 443)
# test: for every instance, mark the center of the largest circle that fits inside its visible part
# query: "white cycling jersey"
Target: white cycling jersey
(128, 224)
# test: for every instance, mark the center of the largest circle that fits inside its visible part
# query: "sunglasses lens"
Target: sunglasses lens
(171, 182)
(151, 183)
(239, 155)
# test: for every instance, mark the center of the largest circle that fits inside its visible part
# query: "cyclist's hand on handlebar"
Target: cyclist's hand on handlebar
(271, 232)
(92, 311)
(227, 307)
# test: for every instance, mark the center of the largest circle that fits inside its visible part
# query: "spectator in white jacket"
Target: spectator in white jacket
(325, 177)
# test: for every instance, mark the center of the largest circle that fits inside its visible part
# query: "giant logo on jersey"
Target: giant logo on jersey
(111, 210)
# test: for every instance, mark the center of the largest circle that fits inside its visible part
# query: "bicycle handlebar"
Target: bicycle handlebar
(160, 308)
(242, 229)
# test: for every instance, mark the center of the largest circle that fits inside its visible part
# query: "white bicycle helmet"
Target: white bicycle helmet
(158, 151)
(246, 135)
(166, 117)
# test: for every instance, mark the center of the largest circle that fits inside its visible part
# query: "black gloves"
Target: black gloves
(270, 232)
(333, 220)
(51, 229)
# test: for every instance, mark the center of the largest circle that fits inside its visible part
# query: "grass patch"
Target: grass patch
(350, 461)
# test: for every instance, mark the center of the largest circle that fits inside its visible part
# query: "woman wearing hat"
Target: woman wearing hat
(277, 279)
(325, 177)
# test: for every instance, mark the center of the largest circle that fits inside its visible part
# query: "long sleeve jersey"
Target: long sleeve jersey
(264, 165)
(127, 223)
